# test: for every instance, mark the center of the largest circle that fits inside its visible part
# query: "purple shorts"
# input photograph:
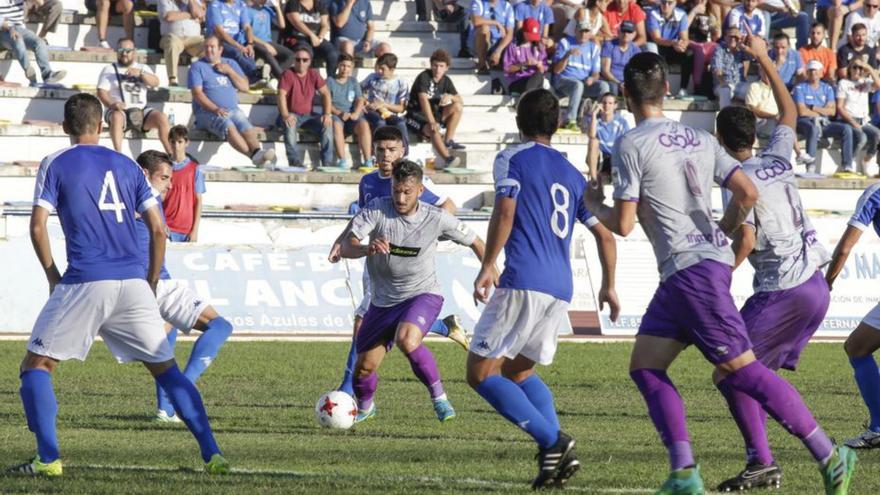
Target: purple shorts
(380, 324)
(694, 306)
(781, 322)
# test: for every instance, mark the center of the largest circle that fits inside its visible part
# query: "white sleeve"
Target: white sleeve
(107, 78)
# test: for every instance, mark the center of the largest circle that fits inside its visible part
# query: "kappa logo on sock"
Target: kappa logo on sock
(37, 342)
(483, 345)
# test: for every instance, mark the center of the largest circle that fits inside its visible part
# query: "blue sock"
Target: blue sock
(162, 401)
(206, 347)
(347, 384)
(440, 328)
(541, 397)
(868, 379)
(188, 403)
(511, 402)
(41, 409)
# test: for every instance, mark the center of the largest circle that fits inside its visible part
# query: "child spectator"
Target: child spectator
(525, 61)
(183, 201)
(607, 125)
(348, 112)
(386, 96)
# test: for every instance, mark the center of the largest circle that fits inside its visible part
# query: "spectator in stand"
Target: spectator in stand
(386, 96)
(122, 89)
(46, 11)
(308, 21)
(594, 13)
(616, 54)
(183, 200)
(627, 10)
(230, 22)
(101, 9)
(831, 13)
(452, 12)
(576, 73)
(434, 104)
(760, 100)
(525, 62)
(296, 92)
(668, 32)
(788, 61)
(564, 13)
(348, 112)
(540, 11)
(701, 33)
(857, 48)
(351, 27)
(853, 92)
(816, 107)
(729, 65)
(748, 14)
(784, 14)
(213, 81)
(18, 39)
(816, 50)
(493, 23)
(869, 15)
(607, 125)
(180, 24)
(277, 57)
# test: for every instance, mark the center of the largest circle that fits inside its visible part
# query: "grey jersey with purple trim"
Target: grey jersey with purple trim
(668, 168)
(787, 252)
(410, 269)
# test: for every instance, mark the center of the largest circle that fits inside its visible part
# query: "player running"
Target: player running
(403, 233)
(178, 304)
(791, 296)
(538, 197)
(663, 173)
(97, 192)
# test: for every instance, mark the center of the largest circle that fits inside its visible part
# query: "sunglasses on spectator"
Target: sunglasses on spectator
(124, 50)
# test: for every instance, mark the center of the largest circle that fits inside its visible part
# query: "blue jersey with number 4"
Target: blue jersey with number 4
(549, 198)
(96, 192)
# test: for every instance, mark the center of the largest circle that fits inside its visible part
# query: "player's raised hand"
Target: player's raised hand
(754, 46)
(335, 253)
(378, 245)
(486, 280)
(609, 296)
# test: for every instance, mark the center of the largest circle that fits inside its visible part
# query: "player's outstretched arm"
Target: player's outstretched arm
(757, 48)
(607, 248)
(620, 219)
(40, 240)
(336, 249)
(743, 199)
(743, 244)
(841, 252)
(352, 247)
(500, 226)
(156, 225)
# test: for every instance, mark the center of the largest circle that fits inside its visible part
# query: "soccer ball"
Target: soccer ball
(336, 409)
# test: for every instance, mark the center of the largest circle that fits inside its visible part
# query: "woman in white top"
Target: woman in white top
(594, 13)
(853, 108)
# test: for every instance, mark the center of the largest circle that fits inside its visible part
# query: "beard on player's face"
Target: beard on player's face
(406, 195)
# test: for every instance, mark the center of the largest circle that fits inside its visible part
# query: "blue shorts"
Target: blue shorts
(219, 126)
(348, 125)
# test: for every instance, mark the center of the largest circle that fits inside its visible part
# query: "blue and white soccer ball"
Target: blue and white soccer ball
(336, 409)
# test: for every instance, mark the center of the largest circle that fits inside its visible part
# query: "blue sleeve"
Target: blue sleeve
(866, 209)
(798, 94)
(213, 17)
(652, 23)
(520, 13)
(46, 187)
(430, 198)
(477, 7)
(200, 181)
(564, 46)
(358, 93)
(245, 18)
(360, 201)
(369, 11)
(596, 59)
(606, 49)
(683, 25)
(507, 176)
(194, 78)
(509, 19)
(829, 94)
(234, 65)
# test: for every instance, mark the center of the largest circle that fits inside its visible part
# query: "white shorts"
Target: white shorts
(520, 322)
(123, 312)
(179, 305)
(872, 319)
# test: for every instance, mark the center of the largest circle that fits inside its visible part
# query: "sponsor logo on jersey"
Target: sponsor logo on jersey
(404, 251)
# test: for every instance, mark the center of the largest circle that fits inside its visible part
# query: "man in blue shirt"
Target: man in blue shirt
(668, 31)
(606, 125)
(576, 72)
(817, 105)
(351, 26)
(539, 10)
(616, 53)
(230, 21)
(213, 81)
(493, 23)
(788, 61)
(538, 198)
(96, 192)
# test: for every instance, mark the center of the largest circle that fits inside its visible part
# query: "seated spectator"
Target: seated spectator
(784, 14)
(351, 29)
(853, 93)
(277, 57)
(816, 107)
(762, 103)
(46, 11)
(616, 54)
(180, 24)
(348, 112)
(701, 33)
(540, 11)
(122, 89)
(296, 92)
(728, 66)
(183, 200)
(594, 13)
(18, 39)
(857, 48)
(576, 73)
(668, 32)
(869, 15)
(434, 104)
(564, 12)
(493, 23)
(308, 21)
(607, 125)
(788, 61)
(386, 96)
(230, 22)
(627, 10)
(454, 13)
(816, 50)
(748, 14)
(213, 81)
(101, 9)
(831, 13)
(525, 61)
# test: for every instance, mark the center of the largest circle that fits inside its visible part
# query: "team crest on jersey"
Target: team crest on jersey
(404, 251)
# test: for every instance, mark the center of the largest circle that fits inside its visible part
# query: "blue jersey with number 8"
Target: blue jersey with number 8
(96, 192)
(549, 198)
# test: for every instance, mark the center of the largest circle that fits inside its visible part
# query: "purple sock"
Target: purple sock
(667, 412)
(752, 423)
(425, 368)
(364, 388)
(783, 403)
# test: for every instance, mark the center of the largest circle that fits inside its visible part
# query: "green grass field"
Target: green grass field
(261, 396)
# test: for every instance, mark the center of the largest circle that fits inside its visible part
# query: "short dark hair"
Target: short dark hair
(124, 39)
(178, 132)
(150, 160)
(302, 47)
(82, 114)
(857, 27)
(387, 133)
(736, 128)
(817, 23)
(605, 95)
(405, 170)
(780, 35)
(388, 60)
(441, 55)
(537, 113)
(344, 57)
(644, 78)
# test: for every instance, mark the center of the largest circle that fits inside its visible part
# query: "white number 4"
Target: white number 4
(114, 204)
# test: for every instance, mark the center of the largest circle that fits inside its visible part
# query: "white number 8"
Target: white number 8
(559, 209)
(114, 204)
